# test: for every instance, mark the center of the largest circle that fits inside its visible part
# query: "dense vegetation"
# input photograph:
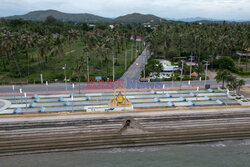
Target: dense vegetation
(28, 49)
(232, 82)
(175, 41)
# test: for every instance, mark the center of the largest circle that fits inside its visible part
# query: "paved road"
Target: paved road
(128, 83)
(134, 71)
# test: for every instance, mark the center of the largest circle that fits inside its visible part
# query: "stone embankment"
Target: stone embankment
(101, 131)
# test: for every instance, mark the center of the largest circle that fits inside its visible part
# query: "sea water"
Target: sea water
(234, 153)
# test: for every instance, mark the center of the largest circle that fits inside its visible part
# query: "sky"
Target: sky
(216, 9)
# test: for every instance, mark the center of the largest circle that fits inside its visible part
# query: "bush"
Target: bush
(225, 63)
(167, 79)
(186, 78)
(177, 74)
(243, 73)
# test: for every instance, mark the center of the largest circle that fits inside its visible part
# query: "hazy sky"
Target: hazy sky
(218, 9)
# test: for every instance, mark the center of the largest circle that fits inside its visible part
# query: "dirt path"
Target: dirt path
(211, 74)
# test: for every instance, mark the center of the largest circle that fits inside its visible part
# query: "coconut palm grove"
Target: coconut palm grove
(31, 48)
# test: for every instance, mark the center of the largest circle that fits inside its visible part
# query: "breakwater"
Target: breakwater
(101, 131)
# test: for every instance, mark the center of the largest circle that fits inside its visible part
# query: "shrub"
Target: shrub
(225, 63)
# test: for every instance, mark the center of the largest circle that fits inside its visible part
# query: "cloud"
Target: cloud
(220, 9)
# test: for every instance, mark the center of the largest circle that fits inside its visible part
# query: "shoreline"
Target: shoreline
(126, 129)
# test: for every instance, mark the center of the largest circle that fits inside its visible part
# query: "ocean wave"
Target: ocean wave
(245, 143)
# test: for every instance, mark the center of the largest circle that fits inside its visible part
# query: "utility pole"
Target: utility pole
(173, 79)
(135, 49)
(206, 73)
(126, 53)
(65, 77)
(13, 91)
(182, 64)
(191, 66)
(246, 62)
(41, 76)
(88, 66)
(114, 67)
(132, 50)
(144, 62)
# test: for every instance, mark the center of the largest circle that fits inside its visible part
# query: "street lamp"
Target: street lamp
(144, 65)
(88, 65)
(181, 71)
(191, 66)
(206, 73)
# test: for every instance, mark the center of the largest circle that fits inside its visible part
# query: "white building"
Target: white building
(167, 67)
(111, 26)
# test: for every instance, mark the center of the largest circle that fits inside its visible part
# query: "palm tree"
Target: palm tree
(11, 42)
(78, 70)
(222, 76)
(241, 83)
(27, 41)
(200, 69)
(2, 50)
(102, 42)
(58, 46)
(236, 85)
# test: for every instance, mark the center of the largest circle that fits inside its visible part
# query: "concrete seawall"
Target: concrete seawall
(100, 131)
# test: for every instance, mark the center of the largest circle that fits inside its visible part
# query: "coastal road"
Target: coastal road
(128, 84)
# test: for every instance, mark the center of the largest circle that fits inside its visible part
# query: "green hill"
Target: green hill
(85, 17)
(138, 18)
(65, 17)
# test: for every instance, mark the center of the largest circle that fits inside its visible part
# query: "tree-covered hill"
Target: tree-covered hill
(65, 17)
(85, 17)
(138, 18)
